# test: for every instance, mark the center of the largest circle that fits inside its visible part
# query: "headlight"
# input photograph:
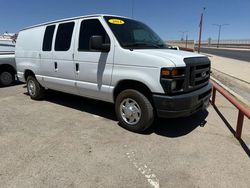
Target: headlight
(168, 73)
(172, 79)
(173, 85)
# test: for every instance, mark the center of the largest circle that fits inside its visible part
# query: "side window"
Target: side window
(64, 36)
(48, 36)
(88, 29)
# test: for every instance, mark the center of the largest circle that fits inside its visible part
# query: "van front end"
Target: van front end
(182, 105)
(187, 89)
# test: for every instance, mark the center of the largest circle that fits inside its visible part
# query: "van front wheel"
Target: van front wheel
(35, 90)
(134, 111)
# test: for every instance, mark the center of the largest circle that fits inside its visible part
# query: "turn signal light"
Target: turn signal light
(170, 73)
(165, 72)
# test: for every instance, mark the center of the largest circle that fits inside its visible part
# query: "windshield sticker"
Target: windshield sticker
(116, 21)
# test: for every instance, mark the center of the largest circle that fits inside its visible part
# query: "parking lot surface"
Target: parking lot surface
(70, 141)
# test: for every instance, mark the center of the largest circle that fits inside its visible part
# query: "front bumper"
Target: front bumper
(182, 105)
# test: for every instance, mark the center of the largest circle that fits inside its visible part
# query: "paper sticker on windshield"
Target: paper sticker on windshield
(116, 21)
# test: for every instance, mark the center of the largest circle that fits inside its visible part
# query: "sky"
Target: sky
(167, 17)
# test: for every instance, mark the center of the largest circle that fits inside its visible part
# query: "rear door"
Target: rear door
(94, 68)
(46, 61)
(63, 56)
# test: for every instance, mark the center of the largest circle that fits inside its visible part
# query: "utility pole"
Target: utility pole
(201, 22)
(219, 25)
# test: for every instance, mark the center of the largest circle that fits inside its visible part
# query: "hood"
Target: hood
(175, 56)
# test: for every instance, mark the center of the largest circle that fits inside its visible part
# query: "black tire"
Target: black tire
(6, 78)
(146, 108)
(38, 92)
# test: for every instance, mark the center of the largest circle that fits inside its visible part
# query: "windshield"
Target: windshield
(132, 34)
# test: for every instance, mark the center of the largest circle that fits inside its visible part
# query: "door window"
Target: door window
(48, 36)
(64, 36)
(90, 28)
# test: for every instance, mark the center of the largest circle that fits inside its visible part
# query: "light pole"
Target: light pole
(182, 37)
(201, 22)
(182, 34)
(186, 40)
(219, 25)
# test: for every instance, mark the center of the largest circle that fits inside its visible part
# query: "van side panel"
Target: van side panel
(27, 53)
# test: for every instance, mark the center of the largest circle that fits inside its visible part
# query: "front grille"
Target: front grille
(197, 72)
(196, 75)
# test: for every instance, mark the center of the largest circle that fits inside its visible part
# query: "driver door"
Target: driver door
(93, 68)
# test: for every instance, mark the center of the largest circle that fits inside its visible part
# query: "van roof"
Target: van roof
(72, 18)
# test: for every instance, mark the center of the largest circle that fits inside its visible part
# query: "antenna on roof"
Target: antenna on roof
(133, 3)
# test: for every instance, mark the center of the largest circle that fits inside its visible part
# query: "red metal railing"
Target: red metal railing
(243, 111)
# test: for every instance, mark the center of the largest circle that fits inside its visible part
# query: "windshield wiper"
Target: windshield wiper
(161, 45)
(138, 44)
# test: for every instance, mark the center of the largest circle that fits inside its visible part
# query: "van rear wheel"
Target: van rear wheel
(134, 111)
(35, 90)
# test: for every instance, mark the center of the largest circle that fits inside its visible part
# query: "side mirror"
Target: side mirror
(96, 43)
(174, 48)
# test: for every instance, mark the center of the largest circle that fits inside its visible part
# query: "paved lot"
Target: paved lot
(69, 141)
(232, 67)
(232, 73)
(242, 89)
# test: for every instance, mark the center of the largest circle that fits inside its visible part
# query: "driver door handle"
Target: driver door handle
(77, 67)
(56, 67)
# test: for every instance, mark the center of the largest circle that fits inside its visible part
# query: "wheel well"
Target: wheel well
(132, 84)
(28, 73)
(6, 67)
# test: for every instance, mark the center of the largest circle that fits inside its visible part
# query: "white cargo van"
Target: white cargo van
(114, 59)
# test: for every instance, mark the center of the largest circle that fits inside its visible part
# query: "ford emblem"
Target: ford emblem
(203, 74)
